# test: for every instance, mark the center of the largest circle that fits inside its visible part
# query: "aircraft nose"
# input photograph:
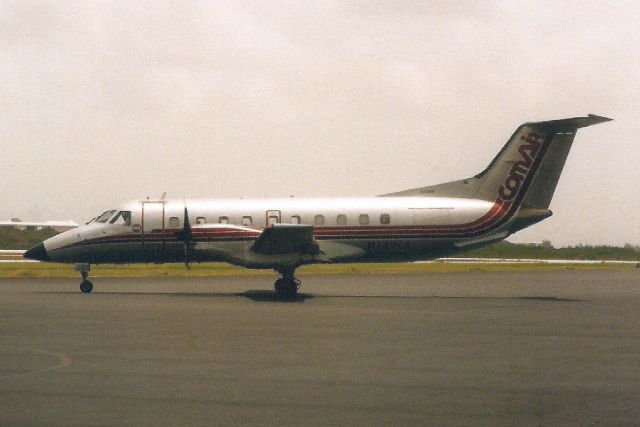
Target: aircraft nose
(38, 253)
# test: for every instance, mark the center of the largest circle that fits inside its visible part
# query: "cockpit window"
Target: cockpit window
(122, 218)
(105, 216)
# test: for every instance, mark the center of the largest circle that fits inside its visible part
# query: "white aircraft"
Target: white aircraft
(512, 193)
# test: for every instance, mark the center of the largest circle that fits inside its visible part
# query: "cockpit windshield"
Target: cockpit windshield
(105, 216)
(122, 218)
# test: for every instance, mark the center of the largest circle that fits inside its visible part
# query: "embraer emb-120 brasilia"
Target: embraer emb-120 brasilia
(512, 193)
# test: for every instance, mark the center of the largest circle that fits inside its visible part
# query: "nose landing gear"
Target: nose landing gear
(86, 286)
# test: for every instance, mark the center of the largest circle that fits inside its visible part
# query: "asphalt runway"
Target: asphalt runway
(547, 348)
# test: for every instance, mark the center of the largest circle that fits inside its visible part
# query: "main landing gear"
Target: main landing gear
(287, 286)
(86, 286)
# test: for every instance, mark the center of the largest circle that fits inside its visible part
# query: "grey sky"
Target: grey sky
(103, 102)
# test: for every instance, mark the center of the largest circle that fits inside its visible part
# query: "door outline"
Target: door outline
(273, 213)
(145, 248)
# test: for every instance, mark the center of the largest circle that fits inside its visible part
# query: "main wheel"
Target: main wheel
(286, 289)
(280, 287)
(86, 286)
(292, 287)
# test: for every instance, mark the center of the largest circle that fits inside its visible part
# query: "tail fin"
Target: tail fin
(525, 172)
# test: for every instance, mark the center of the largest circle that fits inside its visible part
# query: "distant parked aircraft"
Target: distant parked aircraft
(58, 226)
(512, 193)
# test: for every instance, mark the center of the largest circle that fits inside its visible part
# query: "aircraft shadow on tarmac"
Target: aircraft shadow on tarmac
(254, 295)
(269, 296)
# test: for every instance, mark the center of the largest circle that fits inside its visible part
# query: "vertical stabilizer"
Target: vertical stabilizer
(526, 170)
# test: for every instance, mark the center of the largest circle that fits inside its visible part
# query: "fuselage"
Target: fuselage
(346, 229)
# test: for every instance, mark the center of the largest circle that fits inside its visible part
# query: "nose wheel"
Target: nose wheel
(86, 286)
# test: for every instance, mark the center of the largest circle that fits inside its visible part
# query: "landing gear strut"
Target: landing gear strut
(86, 286)
(287, 286)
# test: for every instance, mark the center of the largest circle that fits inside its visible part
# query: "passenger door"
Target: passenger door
(273, 217)
(153, 231)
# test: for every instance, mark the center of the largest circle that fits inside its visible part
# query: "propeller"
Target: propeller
(186, 235)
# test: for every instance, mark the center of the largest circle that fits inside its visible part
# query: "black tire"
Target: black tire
(280, 287)
(86, 286)
(286, 289)
(292, 289)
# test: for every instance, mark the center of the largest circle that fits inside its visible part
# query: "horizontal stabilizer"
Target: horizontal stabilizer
(573, 123)
(528, 216)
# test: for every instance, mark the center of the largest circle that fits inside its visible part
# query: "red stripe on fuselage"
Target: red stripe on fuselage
(497, 212)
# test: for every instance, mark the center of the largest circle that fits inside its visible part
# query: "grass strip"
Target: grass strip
(14, 270)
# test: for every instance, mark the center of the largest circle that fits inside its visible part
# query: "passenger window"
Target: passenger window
(223, 220)
(363, 219)
(174, 222)
(246, 220)
(385, 219)
(201, 220)
(122, 218)
(295, 219)
(342, 219)
(318, 220)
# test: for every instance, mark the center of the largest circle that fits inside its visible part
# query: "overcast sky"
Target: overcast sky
(103, 102)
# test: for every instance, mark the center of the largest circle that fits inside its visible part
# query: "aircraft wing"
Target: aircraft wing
(282, 239)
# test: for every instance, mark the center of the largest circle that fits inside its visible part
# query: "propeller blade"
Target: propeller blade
(185, 234)
(186, 256)
(187, 223)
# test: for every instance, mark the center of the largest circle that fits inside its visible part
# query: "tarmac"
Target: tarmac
(479, 348)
